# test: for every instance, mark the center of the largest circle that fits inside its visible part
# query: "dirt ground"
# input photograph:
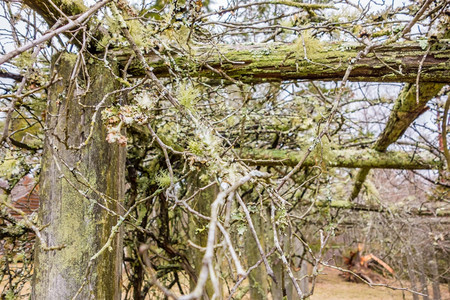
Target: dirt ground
(330, 286)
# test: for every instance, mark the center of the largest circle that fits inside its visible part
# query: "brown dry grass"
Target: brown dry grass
(330, 286)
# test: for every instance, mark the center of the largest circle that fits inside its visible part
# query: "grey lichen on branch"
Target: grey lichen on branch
(280, 61)
(346, 158)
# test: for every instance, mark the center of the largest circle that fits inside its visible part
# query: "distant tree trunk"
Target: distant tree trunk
(284, 286)
(423, 283)
(258, 276)
(278, 288)
(412, 276)
(77, 188)
(435, 272)
(198, 230)
(299, 267)
(422, 274)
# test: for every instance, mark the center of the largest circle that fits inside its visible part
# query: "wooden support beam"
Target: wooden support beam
(407, 108)
(280, 61)
(348, 205)
(349, 158)
(252, 63)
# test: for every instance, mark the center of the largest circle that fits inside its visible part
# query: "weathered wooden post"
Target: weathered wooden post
(81, 189)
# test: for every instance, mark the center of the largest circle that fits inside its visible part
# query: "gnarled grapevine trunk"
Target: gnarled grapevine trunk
(81, 190)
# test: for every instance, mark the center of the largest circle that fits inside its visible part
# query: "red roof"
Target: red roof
(25, 196)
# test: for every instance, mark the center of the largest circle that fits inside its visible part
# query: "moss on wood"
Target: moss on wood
(279, 61)
(407, 108)
(366, 158)
(77, 189)
(50, 14)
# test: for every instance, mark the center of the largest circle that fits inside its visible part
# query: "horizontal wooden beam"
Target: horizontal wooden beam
(327, 61)
(367, 158)
(342, 204)
(398, 62)
(407, 108)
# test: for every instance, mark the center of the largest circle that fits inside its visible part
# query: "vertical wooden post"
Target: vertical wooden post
(80, 190)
